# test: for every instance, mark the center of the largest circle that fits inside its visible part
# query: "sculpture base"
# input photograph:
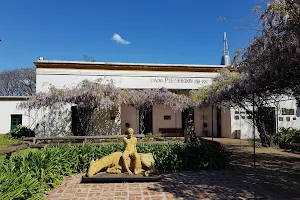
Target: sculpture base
(104, 177)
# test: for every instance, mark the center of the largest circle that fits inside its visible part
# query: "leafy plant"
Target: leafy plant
(149, 136)
(21, 131)
(285, 135)
(159, 134)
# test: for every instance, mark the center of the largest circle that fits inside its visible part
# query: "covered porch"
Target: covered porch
(207, 121)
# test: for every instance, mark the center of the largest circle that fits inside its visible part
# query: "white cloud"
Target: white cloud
(116, 37)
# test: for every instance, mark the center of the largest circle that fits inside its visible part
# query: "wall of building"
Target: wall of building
(240, 121)
(172, 80)
(123, 79)
(225, 123)
(8, 108)
(289, 120)
(158, 118)
(129, 114)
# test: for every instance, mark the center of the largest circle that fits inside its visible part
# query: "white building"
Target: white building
(177, 77)
(10, 115)
(140, 75)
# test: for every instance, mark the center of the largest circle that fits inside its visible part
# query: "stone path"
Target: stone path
(276, 176)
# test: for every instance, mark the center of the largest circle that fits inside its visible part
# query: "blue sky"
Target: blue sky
(157, 31)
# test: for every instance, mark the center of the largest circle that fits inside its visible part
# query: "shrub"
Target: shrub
(21, 131)
(285, 135)
(159, 134)
(32, 175)
(149, 136)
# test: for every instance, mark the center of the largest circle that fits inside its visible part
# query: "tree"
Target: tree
(268, 67)
(18, 82)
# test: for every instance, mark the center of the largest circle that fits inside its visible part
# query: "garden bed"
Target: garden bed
(29, 175)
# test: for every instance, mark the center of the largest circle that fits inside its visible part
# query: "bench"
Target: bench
(294, 144)
(171, 132)
(84, 139)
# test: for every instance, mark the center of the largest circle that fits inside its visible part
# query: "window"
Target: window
(290, 112)
(236, 117)
(243, 117)
(167, 117)
(280, 118)
(294, 118)
(286, 111)
(15, 121)
(288, 119)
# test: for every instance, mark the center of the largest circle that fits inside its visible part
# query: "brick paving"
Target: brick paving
(222, 184)
(276, 176)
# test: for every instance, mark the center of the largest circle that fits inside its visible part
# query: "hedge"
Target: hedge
(31, 175)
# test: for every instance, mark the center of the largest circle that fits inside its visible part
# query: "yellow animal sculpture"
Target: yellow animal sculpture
(114, 164)
(129, 161)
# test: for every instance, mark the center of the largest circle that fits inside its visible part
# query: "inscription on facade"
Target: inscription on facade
(180, 80)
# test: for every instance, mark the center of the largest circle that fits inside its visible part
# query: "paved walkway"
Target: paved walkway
(176, 186)
(275, 177)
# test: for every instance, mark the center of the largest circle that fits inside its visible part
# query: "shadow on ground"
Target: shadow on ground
(274, 177)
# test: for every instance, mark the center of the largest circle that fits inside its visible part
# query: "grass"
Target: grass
(6, 141)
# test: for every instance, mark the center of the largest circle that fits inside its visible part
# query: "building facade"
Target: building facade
(179, 78)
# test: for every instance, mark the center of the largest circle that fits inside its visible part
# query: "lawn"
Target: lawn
(5, 142)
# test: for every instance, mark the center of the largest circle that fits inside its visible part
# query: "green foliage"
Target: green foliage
(68, 134)
(224, 78)
(6, 140)
(149, 136)
(31, 175)
(22, 131)
(285, 135)
(159, 134)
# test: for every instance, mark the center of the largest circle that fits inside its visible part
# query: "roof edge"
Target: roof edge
(14, 97)
(125, 64)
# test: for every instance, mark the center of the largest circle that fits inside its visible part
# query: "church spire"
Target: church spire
(225, 60)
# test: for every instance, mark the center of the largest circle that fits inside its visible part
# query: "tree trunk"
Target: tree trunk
(263, 134)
